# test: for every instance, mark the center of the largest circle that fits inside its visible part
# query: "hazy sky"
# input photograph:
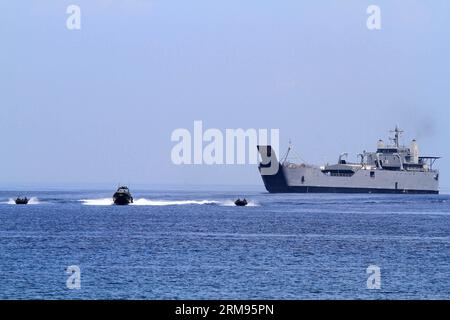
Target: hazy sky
(98, 105)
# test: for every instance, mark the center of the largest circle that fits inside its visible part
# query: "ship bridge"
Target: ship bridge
(397, 157)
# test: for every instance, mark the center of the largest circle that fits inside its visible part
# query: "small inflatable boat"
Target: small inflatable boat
(241, 203)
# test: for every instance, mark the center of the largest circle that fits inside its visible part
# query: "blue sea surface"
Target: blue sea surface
(197, 245)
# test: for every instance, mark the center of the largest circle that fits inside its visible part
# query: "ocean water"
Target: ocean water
(197, 245)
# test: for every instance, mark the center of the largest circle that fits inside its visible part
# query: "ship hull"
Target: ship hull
(121, 202)
(315, 189)
(122, 199)
(311, 179)
(21, 201)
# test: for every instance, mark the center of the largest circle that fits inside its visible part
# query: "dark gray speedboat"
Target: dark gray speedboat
(22, 200)
(122, 196)
(241, 203)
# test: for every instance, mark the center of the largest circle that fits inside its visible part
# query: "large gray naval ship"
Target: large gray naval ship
(391, 169)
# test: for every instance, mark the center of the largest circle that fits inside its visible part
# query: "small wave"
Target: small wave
(33, 200)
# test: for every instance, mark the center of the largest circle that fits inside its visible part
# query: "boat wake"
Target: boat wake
(147, 202)
(150, 202)
(33, 200)
(97, 202)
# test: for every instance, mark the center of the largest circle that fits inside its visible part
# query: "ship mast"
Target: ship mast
(398, 132)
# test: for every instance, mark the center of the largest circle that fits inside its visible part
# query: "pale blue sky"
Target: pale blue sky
(97, 106)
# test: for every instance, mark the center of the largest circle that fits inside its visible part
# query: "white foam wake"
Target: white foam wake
(97, 202)
(147, 202)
